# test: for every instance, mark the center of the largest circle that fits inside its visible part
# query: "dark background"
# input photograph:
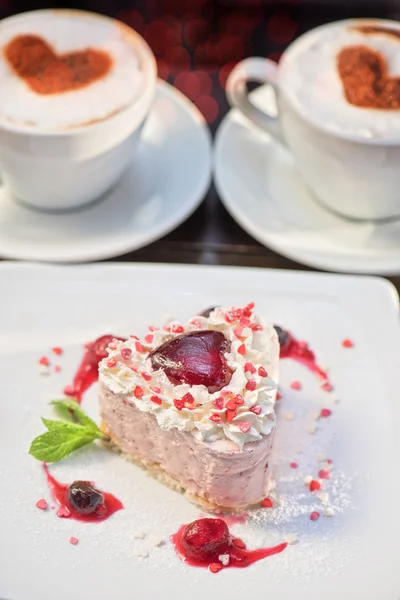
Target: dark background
(197, 42)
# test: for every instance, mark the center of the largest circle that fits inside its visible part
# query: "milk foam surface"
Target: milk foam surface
(309, 77)
(68, 31)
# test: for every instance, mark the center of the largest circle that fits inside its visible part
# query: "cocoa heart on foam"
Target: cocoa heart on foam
(365, 78)
(196, 358)
(47, 72)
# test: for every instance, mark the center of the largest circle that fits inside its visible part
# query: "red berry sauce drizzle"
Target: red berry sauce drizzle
(300, 352)
(81, 500)
(88, 370)
(208, 543)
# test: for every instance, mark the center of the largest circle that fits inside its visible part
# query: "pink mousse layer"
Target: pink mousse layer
(219, 472)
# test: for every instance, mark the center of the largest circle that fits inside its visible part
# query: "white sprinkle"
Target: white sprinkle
(43, 370)
(224, 559)
(141, 553)
(336, 400)
(272, 484)
(329, 512)
(323, 497)
(139, 535)
(307, 480)
(291, 538)
(156, 540)
(288, 416)
(311, 427)
(314, 415)
(320, 457)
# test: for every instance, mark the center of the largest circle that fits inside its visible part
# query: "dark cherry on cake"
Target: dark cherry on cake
(81, 500)
(88, 370)
(208, 543)
(196, 358)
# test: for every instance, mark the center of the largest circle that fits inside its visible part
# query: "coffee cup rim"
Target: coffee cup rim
(373, 141)
(148, 67)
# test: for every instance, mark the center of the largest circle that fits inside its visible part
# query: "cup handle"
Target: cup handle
(261, 70)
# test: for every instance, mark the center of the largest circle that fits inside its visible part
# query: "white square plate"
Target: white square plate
(354, 555)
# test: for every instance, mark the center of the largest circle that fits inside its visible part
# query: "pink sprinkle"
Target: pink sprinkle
(179, 404)
(231, 404)
(245, 322)
(267, 503)
(126, 353)
(146, 376)
(327, 386)
(314, 516)
(251, 385)
(219, 403)
(177, 329)
(256, 409)
(215, 418)
(294, 465)
(296, 385)
(152, 328)
(242, 349)
(329, 461)
(149, 338)
(244, 426)
(111, 362)
(42, 504)
(73, 541)
(167, 328)
(156, 400)
(322, 474)
(262, 372)
(139, 347)
(134, 337)
(57, 350)
(44, 361)
(188, 398)
(57, 369)
(195, 323)
(314, 485)
(326, 412)
(215, 567)
(138, 392)
(249, 368)
(156, 390)
(258, 328)
(347, 343)
(238, 331)
(239, 400)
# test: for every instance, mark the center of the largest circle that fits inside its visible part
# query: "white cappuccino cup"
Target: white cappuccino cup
(347, 151)
(76, 88)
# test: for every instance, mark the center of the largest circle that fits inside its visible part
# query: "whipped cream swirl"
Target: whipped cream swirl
(242, 411)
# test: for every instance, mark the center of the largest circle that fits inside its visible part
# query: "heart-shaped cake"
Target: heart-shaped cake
(47, 72)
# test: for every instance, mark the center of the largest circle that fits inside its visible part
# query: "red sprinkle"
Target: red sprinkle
(239, 400)
(139, 347)
(134, 337)
(278, 395)
(138, 392)
(146, 376)
(189, 398)
(149, 338)
(73, 541)
(57, 369)
(262, 372)
(256, 409)
(267, 503)
(314, 485)
(215, 567)
(177, 329)
(230, 415)
(251, 385)
(57, 350)
(156, 400)
(294, 465)
(296, 385)
(322, 474)
(111, 362)
(347, 343)
(44, 361)
(42, 504)
(126, 353)
(239, 543)
(242, 350)
(326, 412)
(215, 418)
(314, 516)
(152, 328)
(244, 321)
(329, 461)
(327, 386)
(167, 328)
(231, 404)
(244, 426)
(249, 368)
(219, 402)
(258, 328)
(179, 404)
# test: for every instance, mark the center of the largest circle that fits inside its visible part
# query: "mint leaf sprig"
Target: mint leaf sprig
(63, 437)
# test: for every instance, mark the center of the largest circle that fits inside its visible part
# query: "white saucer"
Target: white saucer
(167, 181)
(260, 187)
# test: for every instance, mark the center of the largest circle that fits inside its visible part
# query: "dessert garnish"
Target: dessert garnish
(63, 437)
(196, 358)
(81, 500)
(88, 371)
(208, 543)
